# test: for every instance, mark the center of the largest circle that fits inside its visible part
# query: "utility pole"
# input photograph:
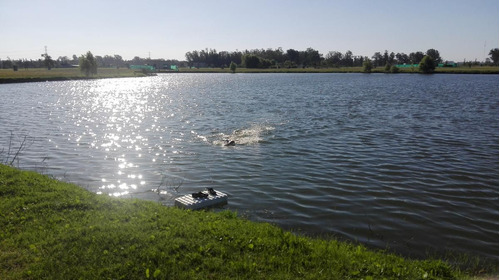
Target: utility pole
(48, 60)
(45, 54)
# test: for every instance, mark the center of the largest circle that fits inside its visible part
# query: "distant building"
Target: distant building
(406, 65)
(170, 67)
(448, 64)
(142, 67)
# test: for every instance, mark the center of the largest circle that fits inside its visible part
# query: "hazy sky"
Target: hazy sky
(458, 29)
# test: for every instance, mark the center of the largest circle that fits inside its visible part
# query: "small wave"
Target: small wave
(201, 137)
(252, 135)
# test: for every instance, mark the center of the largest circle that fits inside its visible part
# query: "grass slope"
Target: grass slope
(444, 70)
(60, 74)
(55, 230)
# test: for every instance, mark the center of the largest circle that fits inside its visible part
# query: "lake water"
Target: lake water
(406, 162)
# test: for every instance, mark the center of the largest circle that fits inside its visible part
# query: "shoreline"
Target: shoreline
(55, 79)
(8, 76)
(47, 221)
(487, 70)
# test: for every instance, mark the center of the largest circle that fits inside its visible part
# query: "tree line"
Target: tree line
(291, 58)
(255, 58)
(115, 61)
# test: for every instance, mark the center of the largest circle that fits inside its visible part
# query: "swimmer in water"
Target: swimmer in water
(229, 142)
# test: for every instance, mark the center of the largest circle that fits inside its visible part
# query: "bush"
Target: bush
(394, 69)
(251, 61)
(88, 64)
(387, 67)
(232, 66)
(427, 65)
(367, 66)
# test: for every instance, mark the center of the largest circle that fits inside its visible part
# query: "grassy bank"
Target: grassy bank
(55, 230)
(60, 74)
(445, 70)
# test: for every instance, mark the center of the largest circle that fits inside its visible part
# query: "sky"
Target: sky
(459, 29)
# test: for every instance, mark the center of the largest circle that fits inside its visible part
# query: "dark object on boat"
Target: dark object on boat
(199, 195)
(211, 191)
(229, 142)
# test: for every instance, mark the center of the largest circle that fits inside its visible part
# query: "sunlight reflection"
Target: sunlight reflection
(118, 194)
(120, 110)
(117, 117)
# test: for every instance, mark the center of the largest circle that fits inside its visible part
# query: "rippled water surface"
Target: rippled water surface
(408, 162)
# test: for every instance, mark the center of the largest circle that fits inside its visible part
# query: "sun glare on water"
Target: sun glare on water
(121, 110)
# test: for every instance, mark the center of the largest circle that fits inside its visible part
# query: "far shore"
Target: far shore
(64, 74)
(8, 76)
(439, 70)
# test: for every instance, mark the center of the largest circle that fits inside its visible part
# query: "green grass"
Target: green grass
(55, 230)
(60, 74)
(273, 70)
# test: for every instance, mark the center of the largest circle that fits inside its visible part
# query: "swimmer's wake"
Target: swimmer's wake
(247, 136)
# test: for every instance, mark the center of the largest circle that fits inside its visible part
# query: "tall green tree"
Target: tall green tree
(402, 58)
(386, 57)
(427, 65)
(88, 64)
(251, 61)
(347, 59)
(293, 56)
(63, 61)
(434, 54)
(377, 59)
(416, 57)
(494, 55)
(48, 61)
(311, 57)
(333, 58)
